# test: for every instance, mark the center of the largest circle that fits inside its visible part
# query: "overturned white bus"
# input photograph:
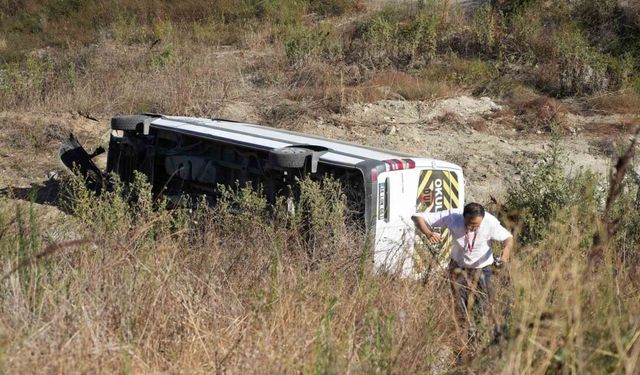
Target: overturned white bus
(183, 155)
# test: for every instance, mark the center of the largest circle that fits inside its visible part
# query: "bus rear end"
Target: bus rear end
(406, 187)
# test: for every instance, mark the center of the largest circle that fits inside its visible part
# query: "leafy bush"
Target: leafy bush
(332, 7)
(584, 70)
(394, 37)
(544, 189)
(303, 44)
(115, 211)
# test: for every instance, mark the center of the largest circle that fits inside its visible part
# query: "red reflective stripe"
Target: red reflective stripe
(374, 174)
(388, 165)
(392, 164)
(411, 163)
(399, 164)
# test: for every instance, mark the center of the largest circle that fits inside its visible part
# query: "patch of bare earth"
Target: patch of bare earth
(484, 137)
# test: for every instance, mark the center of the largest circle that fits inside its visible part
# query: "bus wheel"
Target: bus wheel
(289, 157)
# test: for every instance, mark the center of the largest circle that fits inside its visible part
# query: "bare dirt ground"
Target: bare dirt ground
(470, 132)
(465, 130)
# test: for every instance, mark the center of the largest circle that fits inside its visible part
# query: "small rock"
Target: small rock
(503, 141)
(52, 175)
(390, 130)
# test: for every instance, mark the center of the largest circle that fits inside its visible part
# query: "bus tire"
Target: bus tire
(290, 157)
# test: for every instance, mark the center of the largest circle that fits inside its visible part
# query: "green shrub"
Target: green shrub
(116, 210)
(379, 342)
(584, 70)
(332, 7)
(62, 8)
(26, 81)
(321, 214)
(303, 44)
(281, 12)
(483, 28)
(398, 39)
(468, 72)
(515, 6)
(599, 19)
(163, 57)
(635, 84)
(543, 189)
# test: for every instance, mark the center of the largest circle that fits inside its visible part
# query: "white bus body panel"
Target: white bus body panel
(395, 237)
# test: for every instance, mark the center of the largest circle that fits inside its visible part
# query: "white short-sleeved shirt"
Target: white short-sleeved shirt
(479, 255)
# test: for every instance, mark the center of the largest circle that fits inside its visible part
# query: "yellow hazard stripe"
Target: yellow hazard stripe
(446, 203)
(424, 182)
(451, 195)
(447, 253)
(447, 243)
(447, 236)
(446, 246)
(453, 180)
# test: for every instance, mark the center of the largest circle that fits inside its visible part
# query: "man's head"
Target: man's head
(473, 214)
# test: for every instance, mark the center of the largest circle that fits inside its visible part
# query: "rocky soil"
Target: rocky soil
(471, 132)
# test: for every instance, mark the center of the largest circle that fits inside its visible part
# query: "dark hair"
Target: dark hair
(473, 210)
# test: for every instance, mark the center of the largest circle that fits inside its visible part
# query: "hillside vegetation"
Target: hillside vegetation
(125, 56)
(121, 283)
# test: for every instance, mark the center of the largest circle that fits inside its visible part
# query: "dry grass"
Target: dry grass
(228, 290)
(198, 296)
(110, 78)
(536, 112)
(621, 102)
(411, 87)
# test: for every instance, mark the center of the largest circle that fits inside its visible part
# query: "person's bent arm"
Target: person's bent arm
(507, 246)
(425, 228)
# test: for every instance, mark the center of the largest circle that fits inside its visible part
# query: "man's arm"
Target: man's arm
(507, 246)
(425, 228)
(501, 234)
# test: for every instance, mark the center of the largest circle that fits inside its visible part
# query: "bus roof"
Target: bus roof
(267, 138)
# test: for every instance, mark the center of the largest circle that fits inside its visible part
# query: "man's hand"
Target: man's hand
(426, 229)
(507, 245)
(434, 237)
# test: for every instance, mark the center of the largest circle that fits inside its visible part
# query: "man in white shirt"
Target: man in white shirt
(471, 257)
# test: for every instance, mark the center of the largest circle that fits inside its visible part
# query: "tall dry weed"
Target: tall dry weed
(249, 287)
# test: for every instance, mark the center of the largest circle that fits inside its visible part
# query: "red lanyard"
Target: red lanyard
(470, 245)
